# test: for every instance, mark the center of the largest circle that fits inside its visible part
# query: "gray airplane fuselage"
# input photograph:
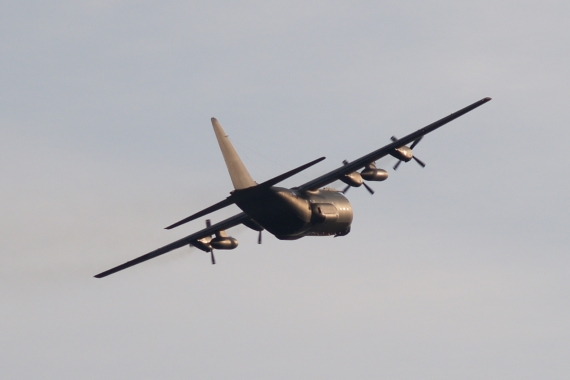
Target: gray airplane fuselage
(290, 214)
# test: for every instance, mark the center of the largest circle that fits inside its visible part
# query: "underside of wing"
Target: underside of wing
(365, 160)
(223, 225)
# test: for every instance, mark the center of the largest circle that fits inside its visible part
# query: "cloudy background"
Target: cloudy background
(458, 270)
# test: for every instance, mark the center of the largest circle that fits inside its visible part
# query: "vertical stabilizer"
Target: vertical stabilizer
(238, 173)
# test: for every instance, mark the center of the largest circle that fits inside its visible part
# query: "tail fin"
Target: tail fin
(238, 173)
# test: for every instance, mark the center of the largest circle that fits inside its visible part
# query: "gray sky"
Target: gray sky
(458, 270)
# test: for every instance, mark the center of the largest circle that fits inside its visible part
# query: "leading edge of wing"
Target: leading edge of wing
(384, 151)
(224, 224)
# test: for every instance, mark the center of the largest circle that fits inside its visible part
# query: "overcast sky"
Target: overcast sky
(459, 270)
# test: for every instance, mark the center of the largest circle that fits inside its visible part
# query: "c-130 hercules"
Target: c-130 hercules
(289, 214)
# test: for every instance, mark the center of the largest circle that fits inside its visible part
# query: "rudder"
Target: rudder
(238, 173)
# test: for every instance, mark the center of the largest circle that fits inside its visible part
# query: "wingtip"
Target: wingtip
(487, 99)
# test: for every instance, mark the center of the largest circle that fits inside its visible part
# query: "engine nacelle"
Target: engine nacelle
(403, 153)
(371, 174)
(223, 242)
(353, 179)
(203, 244)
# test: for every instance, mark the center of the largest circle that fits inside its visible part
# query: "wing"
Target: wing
(223, 225)
(384, 151)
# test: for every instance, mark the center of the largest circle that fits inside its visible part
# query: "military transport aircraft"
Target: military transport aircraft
(289, 214)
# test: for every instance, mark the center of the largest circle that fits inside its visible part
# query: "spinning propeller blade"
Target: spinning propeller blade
(368, 188)
(416, 142)
(419, 162)
(208, 224)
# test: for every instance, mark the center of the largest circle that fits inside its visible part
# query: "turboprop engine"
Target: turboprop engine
(221, 241)
(224, 242)
(405, 154)
(370, 173)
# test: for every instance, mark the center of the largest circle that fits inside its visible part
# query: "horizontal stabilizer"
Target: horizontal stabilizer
(231, 199)
(290, 173)
(226, 202)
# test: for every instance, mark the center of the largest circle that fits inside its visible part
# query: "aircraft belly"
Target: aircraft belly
(291, 215)
(280, 211)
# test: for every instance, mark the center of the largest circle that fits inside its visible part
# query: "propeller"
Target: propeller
(259, 238)
(370, 190)
(208, 224)
(414, 143)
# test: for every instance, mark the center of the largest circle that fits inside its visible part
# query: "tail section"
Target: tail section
(238, 173)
